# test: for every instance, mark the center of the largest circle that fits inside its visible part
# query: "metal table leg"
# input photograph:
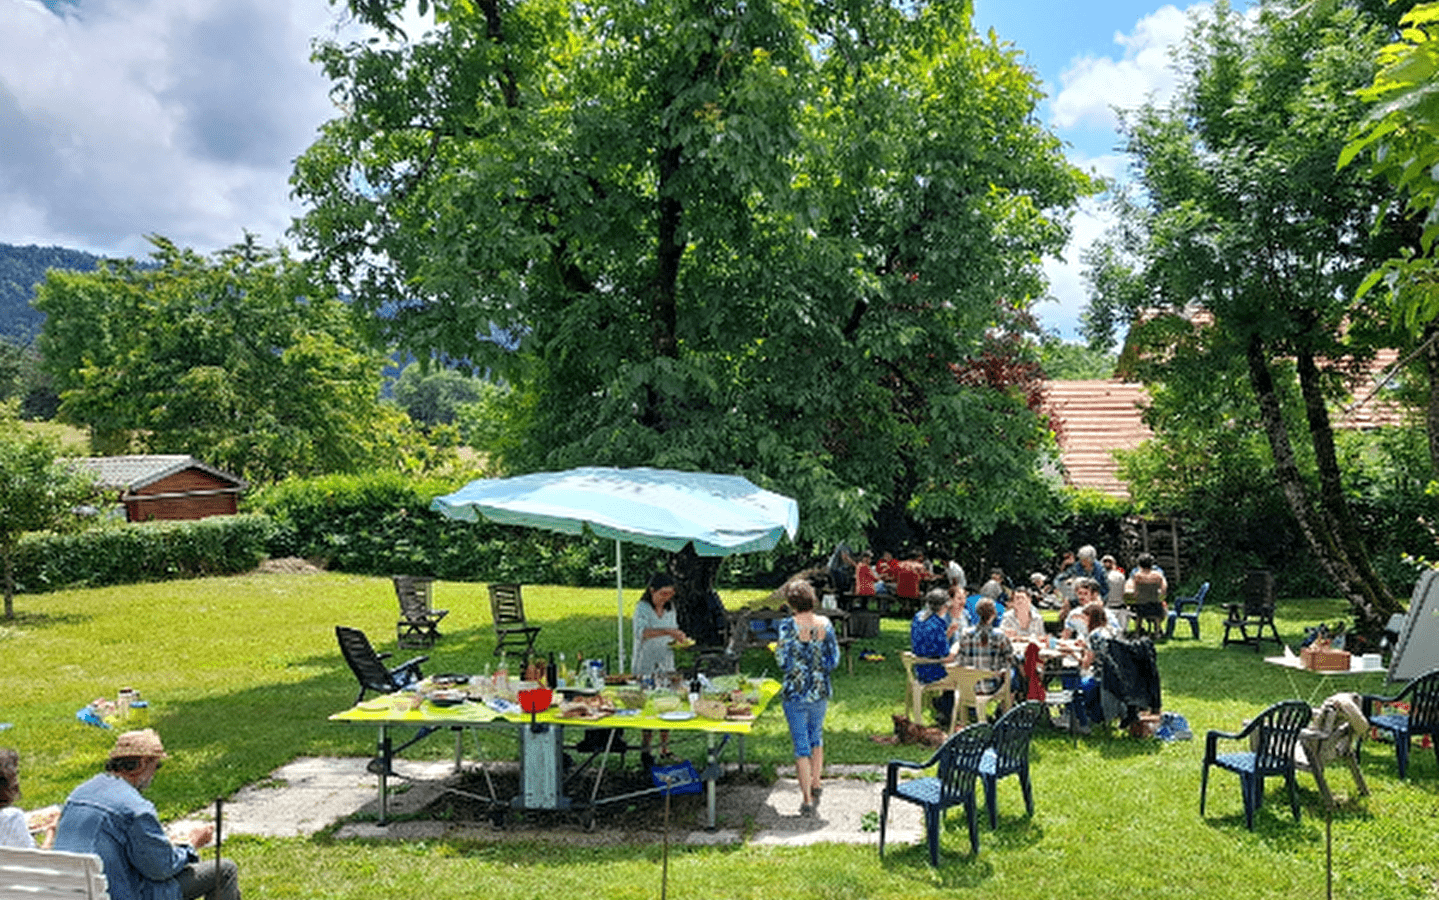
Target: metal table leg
(383, 754)
(712, 756)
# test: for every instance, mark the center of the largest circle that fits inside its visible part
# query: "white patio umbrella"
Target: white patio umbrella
(719, 514)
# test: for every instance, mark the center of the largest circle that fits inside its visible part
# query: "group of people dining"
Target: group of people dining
(989, 628)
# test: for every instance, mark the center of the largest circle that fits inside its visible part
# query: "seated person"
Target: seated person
(1100, 633)
(1022, 619)
(14, 829)
(929, 634)
(1114, 575)
(1076, 624)
(985, 646)
(994, 591)
(866, 580)
(997, 576)
(1041, 591)
(884, 567)
(108, 816)
(908, 574)
(1149, 586)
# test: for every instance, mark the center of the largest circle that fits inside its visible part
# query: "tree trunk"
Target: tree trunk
(1366, 592)
(1286, 469)
(697, 606)
(9, 585)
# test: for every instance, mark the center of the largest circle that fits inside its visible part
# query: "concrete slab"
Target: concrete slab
(311, 794)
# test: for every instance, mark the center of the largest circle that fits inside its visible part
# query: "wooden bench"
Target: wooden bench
(42, 874)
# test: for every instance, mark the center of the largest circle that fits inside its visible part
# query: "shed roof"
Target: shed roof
(133, 473)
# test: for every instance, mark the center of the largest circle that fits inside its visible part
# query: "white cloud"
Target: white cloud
(122, 118)
(1093, 85)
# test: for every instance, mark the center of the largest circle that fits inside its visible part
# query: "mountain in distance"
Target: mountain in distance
(21, 269)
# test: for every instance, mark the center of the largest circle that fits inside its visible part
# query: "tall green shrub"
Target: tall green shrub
(150, 551)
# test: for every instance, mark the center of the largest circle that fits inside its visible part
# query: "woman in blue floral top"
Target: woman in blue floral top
(807, 651)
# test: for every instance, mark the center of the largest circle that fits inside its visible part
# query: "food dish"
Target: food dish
(677, 715)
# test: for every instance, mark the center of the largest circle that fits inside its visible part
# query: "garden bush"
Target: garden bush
(119, 553)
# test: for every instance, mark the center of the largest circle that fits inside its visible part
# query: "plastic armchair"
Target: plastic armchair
(1422, 696)
(369, 667)
(1271, 737)
(957, 762)
(1008, 754)
(968, 698)
(915, 689)
(1180, 609)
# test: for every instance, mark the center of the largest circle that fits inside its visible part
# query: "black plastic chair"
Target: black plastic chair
(1179, 609)
(369, 667)
(1422, 695)
(1008, 754)
(952, 785)
(1271, 737)
(1255, 614)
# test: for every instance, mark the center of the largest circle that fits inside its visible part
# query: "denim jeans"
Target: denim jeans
(806, 724)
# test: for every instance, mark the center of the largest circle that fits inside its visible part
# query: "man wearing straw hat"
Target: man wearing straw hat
(108, 816)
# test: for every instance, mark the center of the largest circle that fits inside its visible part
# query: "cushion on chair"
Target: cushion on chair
(920, 790)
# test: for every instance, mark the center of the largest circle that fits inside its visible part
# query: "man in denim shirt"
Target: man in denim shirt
(108, 816)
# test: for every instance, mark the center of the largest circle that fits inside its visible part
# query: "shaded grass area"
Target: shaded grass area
(242, 673)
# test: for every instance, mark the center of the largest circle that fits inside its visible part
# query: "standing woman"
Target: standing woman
(807, 651)
(656, 628)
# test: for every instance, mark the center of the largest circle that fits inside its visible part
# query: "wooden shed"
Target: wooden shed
(167, 486)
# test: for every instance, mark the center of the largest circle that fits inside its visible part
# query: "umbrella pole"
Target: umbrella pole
(620, 664)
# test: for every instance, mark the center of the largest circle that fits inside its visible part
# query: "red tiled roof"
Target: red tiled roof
(1093, 419)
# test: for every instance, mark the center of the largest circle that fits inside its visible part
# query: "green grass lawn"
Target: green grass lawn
(242, 673)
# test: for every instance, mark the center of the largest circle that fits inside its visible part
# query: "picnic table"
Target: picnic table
(541, 741)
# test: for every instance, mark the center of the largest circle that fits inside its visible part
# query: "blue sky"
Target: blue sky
(123, 118)
(1092, 55)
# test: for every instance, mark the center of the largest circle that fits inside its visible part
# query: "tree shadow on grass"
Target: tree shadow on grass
(27, 620)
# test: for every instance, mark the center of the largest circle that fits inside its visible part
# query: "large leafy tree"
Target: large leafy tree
(37, 491)
(1399, 140)
(760, 238)
(241, 360)
(1240, 212)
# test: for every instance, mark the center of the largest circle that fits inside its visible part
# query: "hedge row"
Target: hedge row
(151, 551)
(381, 524)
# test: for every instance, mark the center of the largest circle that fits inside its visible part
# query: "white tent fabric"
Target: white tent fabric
(1417, 651)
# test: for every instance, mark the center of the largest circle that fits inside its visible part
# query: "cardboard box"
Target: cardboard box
(1324, 659)
(1145, 725)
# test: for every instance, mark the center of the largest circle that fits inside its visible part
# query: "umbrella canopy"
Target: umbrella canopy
(719, 514)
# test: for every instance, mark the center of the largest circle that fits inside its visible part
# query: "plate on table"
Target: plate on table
(374, 706)
(677, 715)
